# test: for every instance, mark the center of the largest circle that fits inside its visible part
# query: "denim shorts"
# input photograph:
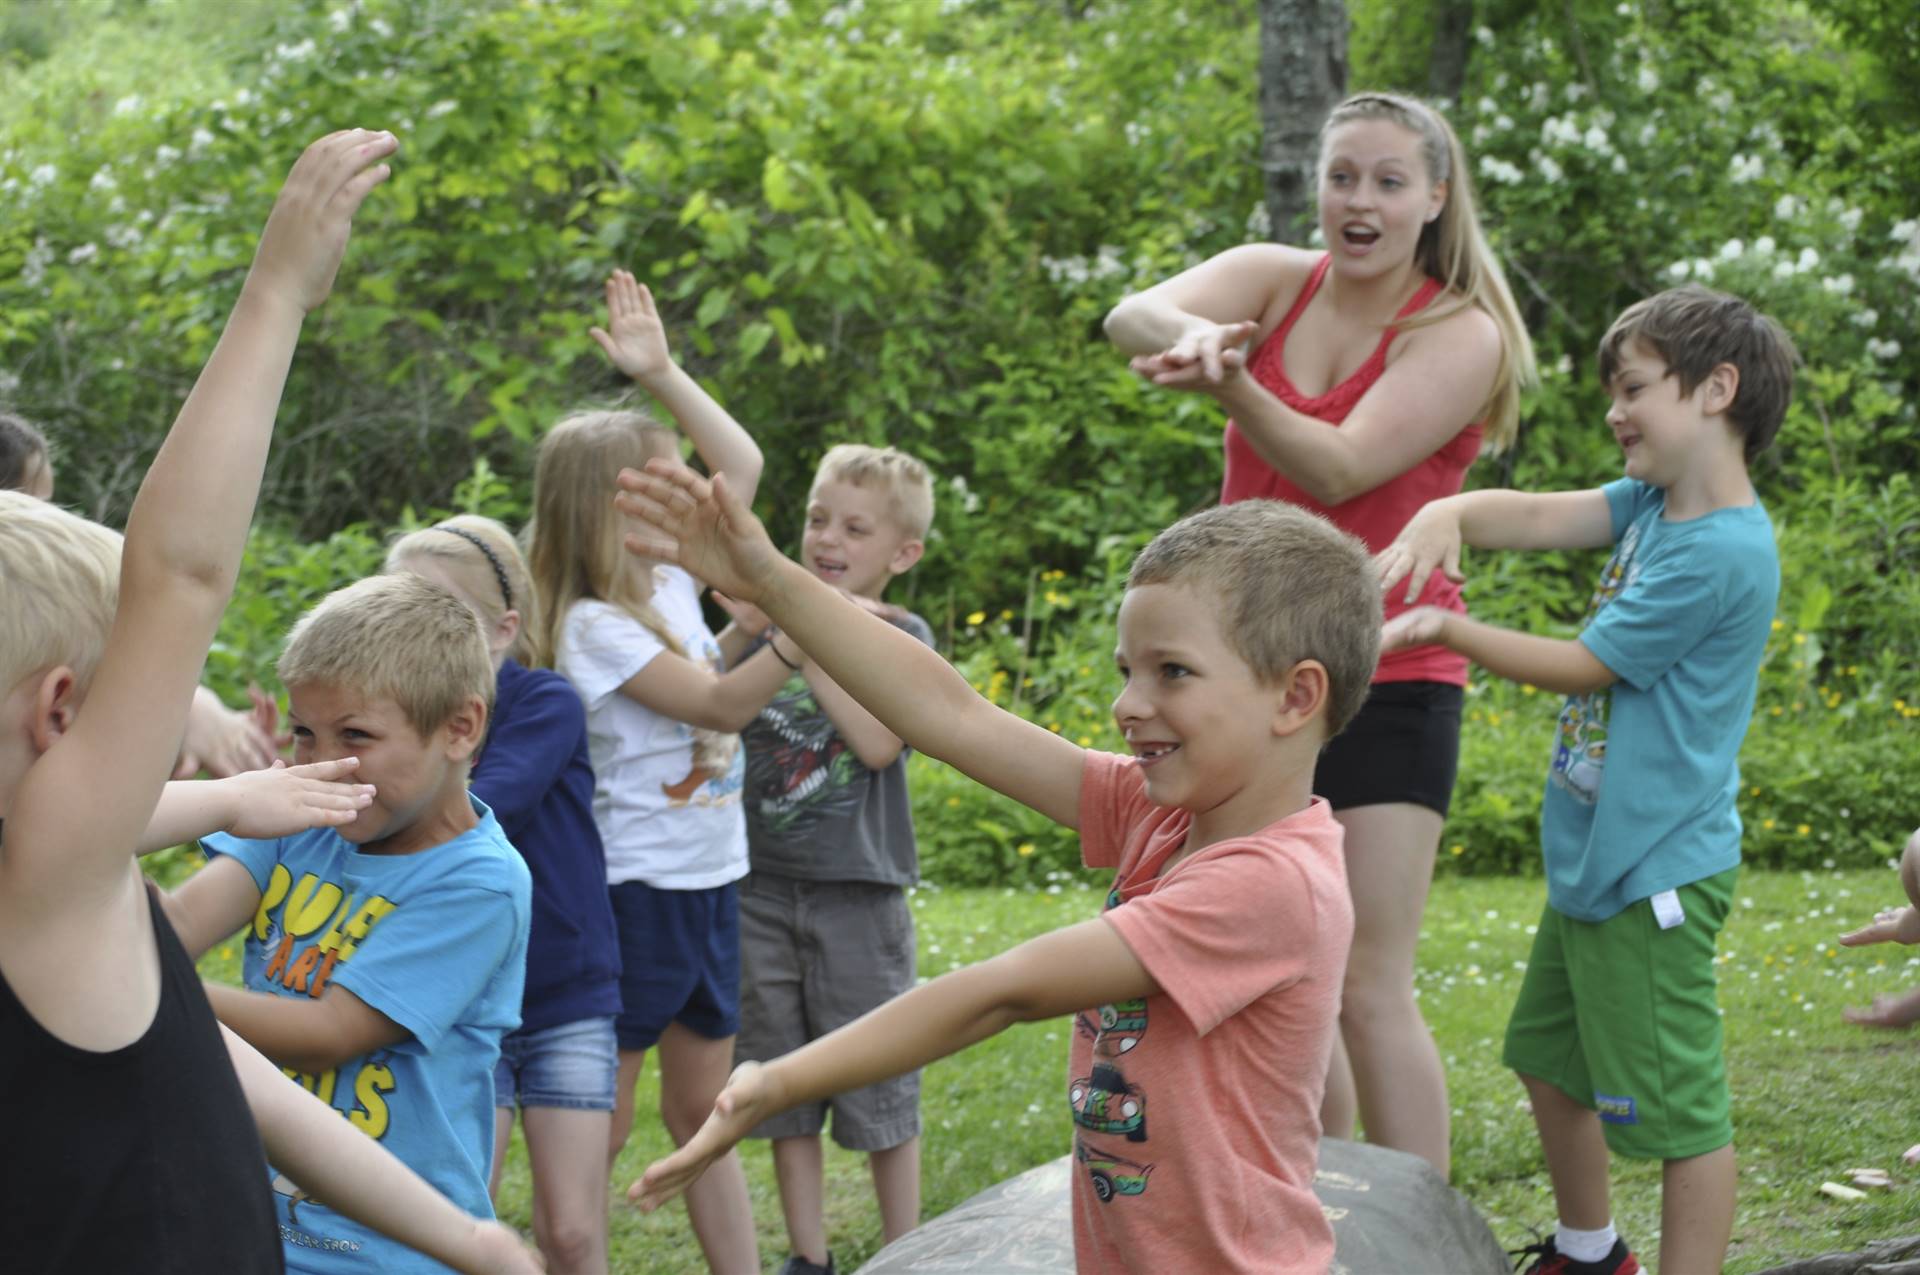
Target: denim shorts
(572, 1065)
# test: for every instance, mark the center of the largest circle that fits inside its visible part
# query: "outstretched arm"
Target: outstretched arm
(334, 1162)
(257, 804)
(1562, 665)
(70, 830)
(636, 341)
(1054, 974)
(906, 686)
(1491, 519)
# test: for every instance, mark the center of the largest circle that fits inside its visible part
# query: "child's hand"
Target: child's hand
(745, 1102)
(1430, 539)
(699, 525)
(1893, 925)
(1422, 626)
(307, 231)
(1203, 359)
(634, 337)
(749, 617)
(1894, 1009)
(874, 606)
(222, 742)
(497, 1250)
(283, 800)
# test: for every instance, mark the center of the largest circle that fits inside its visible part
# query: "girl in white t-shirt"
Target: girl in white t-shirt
(662, 723)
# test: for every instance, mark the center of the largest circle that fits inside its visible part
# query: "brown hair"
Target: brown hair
(574, 543)
(1292, 587)
(1454, 250)
(1694, 330)
(23, 451)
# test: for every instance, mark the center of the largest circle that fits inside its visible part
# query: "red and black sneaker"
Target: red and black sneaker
(1548, 1260)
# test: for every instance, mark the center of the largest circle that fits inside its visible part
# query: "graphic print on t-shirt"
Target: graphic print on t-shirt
(1580, 743)
(1105, 1102)
(810, 774)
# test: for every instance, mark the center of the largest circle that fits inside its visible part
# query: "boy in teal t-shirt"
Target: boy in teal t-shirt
(1616, 1032)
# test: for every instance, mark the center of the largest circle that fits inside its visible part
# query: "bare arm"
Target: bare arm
(1057, 973)
(1493, 519)
(866, 735)
(221, 741)
(330, 1159)
(1241, 285)
(305, 1034)
(1562, 665)
(636, 341)
(69, 834)
(907, 687)
(257, 804)
(676, 687)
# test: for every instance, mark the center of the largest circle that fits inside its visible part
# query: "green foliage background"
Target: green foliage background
(901, 221)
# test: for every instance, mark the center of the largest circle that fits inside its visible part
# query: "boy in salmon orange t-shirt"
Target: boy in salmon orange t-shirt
(1206, 996)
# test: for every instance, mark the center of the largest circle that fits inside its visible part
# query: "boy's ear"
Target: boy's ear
(905, 556)
(1303, 697)
(465, 729)
(55, 705)
(1720, 388)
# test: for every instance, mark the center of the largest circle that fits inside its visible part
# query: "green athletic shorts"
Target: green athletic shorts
(1622, 1017)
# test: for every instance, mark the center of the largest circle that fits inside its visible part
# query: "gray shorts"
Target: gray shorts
(814, 956)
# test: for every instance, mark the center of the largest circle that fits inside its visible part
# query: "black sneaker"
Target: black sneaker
(1549, 1260)
(798, 1265)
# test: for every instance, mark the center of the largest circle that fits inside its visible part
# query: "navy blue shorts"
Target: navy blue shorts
(679, 961)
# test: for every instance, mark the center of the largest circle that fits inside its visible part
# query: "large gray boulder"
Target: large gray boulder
(1390, 1213)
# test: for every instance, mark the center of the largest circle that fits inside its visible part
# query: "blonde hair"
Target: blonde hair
(397, 637)
(1454, 250)
(574, 544)
(60, 576)
(484, 557)
(1291, 587)
(902, 479)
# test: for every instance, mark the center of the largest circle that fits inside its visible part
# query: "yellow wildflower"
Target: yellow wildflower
(1025, 849)
(978, 617)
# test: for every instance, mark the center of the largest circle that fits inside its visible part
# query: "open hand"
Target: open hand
(699, 525)
(634, 338)
(745, 1102)
(1891, 1010)
(306, 233)
(1203, 359)
(283, 800)
(1430, 539)
(1892, 925)
(1421, 626)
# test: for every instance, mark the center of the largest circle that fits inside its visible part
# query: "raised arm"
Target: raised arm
(257, 804)
(908, 687)
(1057, 973)
(636, 341)
(333, 1161)
(85, 805)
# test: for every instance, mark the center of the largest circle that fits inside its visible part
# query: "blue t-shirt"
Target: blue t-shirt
(534, 774)
(1640, 796)
(436, 941)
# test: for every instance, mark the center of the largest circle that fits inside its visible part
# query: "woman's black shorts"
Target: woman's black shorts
(1403, 745)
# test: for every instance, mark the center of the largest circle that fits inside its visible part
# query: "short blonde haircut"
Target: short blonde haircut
(902, 479)
(575, 545)
(482, 555)
(1290, 586)
(395, 637)
(60, 578)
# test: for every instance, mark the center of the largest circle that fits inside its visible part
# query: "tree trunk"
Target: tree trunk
(1452, 45)
(1303, 75)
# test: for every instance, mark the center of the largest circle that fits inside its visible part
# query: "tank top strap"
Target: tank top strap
(1279, 337)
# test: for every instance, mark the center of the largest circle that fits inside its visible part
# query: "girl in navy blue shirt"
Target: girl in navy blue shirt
(559, 1068)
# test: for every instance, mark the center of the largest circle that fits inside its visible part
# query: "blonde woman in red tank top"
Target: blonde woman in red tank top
(1377, 369)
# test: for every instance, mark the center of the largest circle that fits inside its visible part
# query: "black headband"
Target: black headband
(493, 559)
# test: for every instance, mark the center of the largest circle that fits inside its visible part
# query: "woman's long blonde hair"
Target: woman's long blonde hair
(574, 542)
(1454, 250)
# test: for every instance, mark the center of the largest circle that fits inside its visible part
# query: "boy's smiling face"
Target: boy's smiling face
(1661, 430)
(851, 540)
(1196, 717)
(420, 784)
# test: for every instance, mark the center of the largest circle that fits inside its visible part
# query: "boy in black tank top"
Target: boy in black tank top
(131, 1146)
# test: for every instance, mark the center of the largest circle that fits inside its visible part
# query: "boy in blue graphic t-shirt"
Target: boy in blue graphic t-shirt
(384, 958)
(1616, 1033)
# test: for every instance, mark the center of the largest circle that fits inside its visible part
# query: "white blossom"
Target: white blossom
(445, 106)
(1703, 269)
(1784, 270)
(1619, 164)
(1809, 260)
(1745, 168)
(340, 20)
(1648, 79)
(1851, 219)
(1596, 139)
(1732, 250)
(1865, 318)
(1260, 222)
(1495, 169)
(84, 253)
(165, 154)
(42, 176)
(1883, 350)
(1549, 169)
(102, 180)
(1787, 207)
(1840, 285)
(1905, 229)
(201, 140)
(1679, 270)
(1763, 246)
(127, 105)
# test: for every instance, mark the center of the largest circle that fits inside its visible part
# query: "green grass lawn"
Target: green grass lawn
(1812, 1095)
